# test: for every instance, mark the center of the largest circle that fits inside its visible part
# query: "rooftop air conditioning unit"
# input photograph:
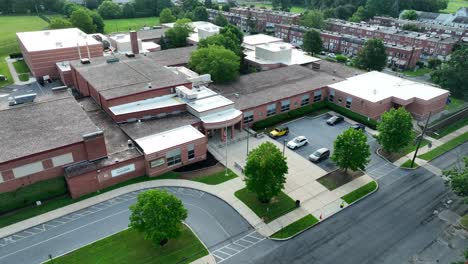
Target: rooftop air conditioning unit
(129, 55)
(85, 61)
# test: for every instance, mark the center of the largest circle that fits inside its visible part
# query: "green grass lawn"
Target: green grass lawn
(278, 206)
(407, 165)
(360, 192)
(294, 9)
(455, 104)
(464, 221)
(126, 24)
(454, 5)
(436, 152)
(8, 43)
(296, 227)
(418, 72)
(21, 67)
(216, 178)
(129, 246)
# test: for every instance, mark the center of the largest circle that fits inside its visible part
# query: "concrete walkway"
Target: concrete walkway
(14, 74)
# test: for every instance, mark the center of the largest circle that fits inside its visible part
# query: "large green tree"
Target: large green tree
(222, 64)
(395, 130)
(410, 15)
(373, 56)
(81, 19)
(312, 19)
(452, 74)
(458, 178)
(265, 171)
(351, 151)
(97, 21)
(166, 16)
(178, 34)
(220, 20)
(59, 23)
(158, 215)
(227, 40)
(312, 42)
(235, 30)
(200, 14)
(190, 5)
(128, 10)
(109, 10)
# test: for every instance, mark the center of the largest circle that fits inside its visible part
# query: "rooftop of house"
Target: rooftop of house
(41, 126)
(55, 39)
(127, 76)
(376, 86)
(279, 52)
(253, 40)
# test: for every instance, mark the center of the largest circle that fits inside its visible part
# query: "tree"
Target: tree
(59, 23)
(222, 64)
(97, 21)
(312, 19)
(200, 14)
(225, 8)
(395, 130)
(208, 4)
(434, 63)
(234, 30)
(412, 27)
(220, 21)
(312, 42)
(178, 34)
(351, 151)
(361, 14)
(344, 11)
(82, 20)
(190, 5)
(91, 4)
(458, 179)
(109, 10)
(69, 8)
(410, 15)
(227, 40)
(373, 56)
(452, 74)
(128, 10)
(166, 16)
(158, 214)
(163, 4)
(265, 171)
(251, 24)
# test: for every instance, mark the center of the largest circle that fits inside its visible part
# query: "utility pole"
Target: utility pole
(284, 146)
(420, 139)
(226, 134)
(248, 135)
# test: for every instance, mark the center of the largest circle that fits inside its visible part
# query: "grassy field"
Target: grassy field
(454, 5)
(126, 24)
(216, 178)
(278, 206)
(418, 72)
(129, 246)
(8, 44)
(22, 69)
(360, 192)
(451, 144)
(296, 227)
(294, 9)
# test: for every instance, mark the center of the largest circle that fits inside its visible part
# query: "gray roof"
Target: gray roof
(149, 127)
(38, 127)
(268, 86)
(151, 33)
(128, 76)
(171, 57)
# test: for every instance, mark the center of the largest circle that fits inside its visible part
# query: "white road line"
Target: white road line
(218, 256)
(227, 246)
(64, 233)
(239, 245)
(243, 240)
(206, 212)
(21, 237)
(235, 243)
(29, 232)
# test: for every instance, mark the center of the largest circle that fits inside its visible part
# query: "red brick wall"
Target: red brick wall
(420, 108)
(99, 179)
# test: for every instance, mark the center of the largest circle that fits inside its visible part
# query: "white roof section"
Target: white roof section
(150, 46)
(55, 39)
(279, 52)
(168, 139)
(210, 103)
(63, 66)
(376, 86)
(253, 40)
(221, 116)
(147, 104)
(201, 30)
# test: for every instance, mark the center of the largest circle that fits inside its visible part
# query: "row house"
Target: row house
(240, 21)
(270, 16)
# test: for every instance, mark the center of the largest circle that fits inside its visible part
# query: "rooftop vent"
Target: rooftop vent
(85, 61)
(112, 60)
(149, 85)
(47, 33)
(58, 44)
(130, 54)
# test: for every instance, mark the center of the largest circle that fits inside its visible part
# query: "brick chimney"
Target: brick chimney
(134, 42)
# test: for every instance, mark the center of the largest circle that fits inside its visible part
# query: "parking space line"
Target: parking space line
(232, 248)
(243, 239)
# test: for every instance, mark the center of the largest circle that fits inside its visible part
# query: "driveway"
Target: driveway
(213, 220)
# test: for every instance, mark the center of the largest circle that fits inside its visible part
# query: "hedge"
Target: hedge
(28, 195)
(296, 113)
(353, 115)
(16, 55)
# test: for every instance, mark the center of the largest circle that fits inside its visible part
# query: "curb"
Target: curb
(209, 253)
(302, 231)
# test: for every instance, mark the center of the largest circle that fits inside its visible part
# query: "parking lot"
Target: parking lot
(319, 135)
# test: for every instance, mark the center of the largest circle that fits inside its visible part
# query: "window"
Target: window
(349, 100)
(156, 163)
(271, 109)
(62, 159)
(248, 117)
(331, 97)
(191, 151)
(317, 96)
(173, 157)
(305, 99)
(284, 105)
(28, 169)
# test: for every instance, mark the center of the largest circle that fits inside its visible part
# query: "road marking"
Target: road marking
(206, 212)
(65, 233)
(221, 251)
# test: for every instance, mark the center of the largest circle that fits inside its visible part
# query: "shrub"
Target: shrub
(28, 195)
(341, 58)
(16, 55)
(355, 116)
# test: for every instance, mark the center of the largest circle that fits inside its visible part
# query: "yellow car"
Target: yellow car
(279, 132)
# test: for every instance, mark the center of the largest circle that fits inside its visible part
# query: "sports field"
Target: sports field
(454, 5)
(126, 24)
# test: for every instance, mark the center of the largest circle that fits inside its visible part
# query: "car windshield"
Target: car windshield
(334, 118)
(317, 154)
(297, 140)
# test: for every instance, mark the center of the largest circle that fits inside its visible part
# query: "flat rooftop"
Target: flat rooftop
(168, 139)
(296, 56)
(127, 76)
(172, 57)
(55, 39)
(209, 103)
(33, 128)
(147, 104)
(376, 86)
(150, 34)
(257, 39)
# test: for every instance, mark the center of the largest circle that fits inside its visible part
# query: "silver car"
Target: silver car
(319, 155)
(297, 142)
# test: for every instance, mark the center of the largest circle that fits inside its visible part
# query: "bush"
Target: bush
(420, 64)
(28, 195)
(355, 116)
(341, 58)
(16, 55)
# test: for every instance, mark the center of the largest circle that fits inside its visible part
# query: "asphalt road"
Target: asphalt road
(214, 221)
(452, 158)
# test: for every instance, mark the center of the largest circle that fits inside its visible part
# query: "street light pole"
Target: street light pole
(226, 133)
(248, 135)
(284, 146)
(420, 139)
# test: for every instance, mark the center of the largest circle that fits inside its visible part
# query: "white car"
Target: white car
(297, 142)
(331, 55)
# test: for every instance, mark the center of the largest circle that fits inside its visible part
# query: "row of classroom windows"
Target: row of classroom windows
(174, 157)
(285, 105)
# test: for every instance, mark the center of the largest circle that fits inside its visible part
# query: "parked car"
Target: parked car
(335, 120)
(359, 127)
(297, 142)
(279, 132)
(319, 155)
(331, 55)
(323, 53)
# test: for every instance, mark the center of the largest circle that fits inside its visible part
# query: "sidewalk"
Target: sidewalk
(14, 74)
